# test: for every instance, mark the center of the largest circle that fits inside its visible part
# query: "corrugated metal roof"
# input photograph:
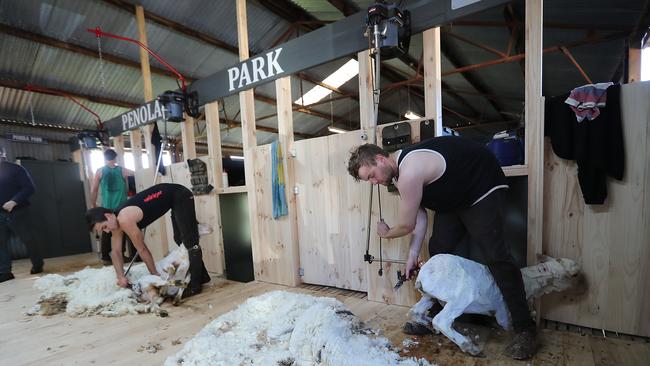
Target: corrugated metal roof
(321, 10)
(478, 92)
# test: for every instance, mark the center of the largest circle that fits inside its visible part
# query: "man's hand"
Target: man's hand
(123, 282)
(9, 205)
(382, 228)
(411, 266)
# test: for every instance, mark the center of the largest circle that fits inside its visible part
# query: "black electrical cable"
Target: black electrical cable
(381, 218)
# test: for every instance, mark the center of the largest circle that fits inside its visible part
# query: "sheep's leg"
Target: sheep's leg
(418, 312)
(502, 315)
(444, 321)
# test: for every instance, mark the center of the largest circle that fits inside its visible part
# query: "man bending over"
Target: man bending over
(141, 210)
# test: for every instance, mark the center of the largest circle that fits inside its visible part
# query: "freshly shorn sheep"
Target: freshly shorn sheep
(172, 281)
(465, 286)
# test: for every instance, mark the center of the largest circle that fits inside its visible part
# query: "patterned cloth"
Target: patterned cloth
(585, 100)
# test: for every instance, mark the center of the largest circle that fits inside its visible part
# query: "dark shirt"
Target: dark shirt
(154, 202)
(596, 145)
(471, 173)
(15, 184)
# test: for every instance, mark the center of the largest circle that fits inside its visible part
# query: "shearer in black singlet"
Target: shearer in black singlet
(461, 181)
(143, 209)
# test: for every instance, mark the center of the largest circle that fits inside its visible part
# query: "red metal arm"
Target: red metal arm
(34, 88)
(98, 33)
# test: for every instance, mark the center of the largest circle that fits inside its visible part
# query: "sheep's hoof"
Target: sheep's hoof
(472, 349)
(179, 297)
(412, 328)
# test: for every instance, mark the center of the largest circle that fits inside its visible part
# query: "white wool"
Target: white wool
(94, 291)
(282, 328)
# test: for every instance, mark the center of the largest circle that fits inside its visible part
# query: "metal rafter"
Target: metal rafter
(347, 8)
(477, 84)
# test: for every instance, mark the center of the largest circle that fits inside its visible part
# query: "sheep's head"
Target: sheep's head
(550, 275)
(148, 289)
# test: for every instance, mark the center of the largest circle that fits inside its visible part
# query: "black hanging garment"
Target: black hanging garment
(156, 141)
(596, 145)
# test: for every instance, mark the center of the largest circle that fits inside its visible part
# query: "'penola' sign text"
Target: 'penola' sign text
(143, 115)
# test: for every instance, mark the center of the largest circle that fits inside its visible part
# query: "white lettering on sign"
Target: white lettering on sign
(258, 69)
(242, 74)
(245, 78)
(142, 115)
(457, 4)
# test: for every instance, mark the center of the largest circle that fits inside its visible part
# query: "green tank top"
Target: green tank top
(112, 187)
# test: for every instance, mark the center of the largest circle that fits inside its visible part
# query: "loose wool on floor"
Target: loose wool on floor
(91, 291)
(282, 328)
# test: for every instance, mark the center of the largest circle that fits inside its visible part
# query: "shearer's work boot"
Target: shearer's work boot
(523, 345)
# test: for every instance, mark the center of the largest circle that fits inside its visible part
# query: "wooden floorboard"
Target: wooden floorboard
(62, 340)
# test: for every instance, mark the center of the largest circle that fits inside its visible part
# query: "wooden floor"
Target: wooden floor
(59, 339)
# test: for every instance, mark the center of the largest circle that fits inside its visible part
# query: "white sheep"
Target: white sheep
(173, 279)
(465, 286)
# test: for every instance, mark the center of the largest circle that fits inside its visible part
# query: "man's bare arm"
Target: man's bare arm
(133, 231)
(95, 188)
(416, 240)
(116, 257)
(410, 188)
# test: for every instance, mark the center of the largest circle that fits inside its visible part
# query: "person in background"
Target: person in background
(16, 186)
(111, 181)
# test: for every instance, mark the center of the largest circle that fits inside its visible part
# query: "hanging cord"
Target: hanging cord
(381, 218)
(102, 76)
(31, 108)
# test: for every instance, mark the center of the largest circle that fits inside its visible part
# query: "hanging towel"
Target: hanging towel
(585, 100)
(277, 177)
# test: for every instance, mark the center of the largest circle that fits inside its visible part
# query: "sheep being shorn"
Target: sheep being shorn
(93, 291)
(465, 286)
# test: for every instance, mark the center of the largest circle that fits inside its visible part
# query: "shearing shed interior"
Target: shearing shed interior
(325, 182)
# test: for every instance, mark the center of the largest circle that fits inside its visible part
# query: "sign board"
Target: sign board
(26, 138)
(135, 118)
(342, 38)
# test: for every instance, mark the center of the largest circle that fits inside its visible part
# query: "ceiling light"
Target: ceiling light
(236, 157)
(412, 115)
(336, 129)
(336, 79)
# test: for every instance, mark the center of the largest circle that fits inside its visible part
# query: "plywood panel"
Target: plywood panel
(332, 213)
(272, 250)
(609, 241)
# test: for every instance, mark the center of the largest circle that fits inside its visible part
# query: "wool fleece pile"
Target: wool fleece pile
(283, 328)
(91, 291)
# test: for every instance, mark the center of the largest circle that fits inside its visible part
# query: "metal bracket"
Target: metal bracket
(301, 271)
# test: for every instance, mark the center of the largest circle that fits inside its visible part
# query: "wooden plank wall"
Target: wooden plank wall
(612, 241)
(273, 251)
(207, 212)
(332, 213)
(332, 221)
